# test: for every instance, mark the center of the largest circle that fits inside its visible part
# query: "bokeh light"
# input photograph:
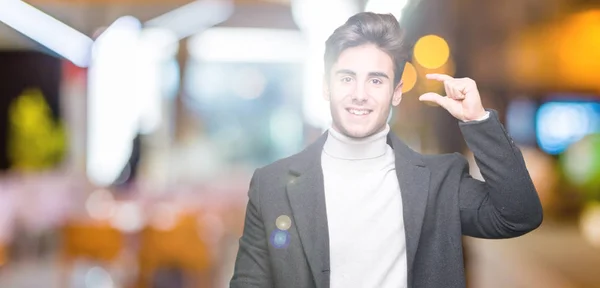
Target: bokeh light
(581, 164)
(447, 68)
(97, 277)
(283, 222)
(409, 77)
(280, 239)
(559, 124)
(589, 223)
(578, 49)
(431, 51)
(562, 55)
(164, 216)
(100, 205)
(426, 85)
(128, 217)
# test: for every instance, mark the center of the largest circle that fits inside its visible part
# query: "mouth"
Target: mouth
(359, 112)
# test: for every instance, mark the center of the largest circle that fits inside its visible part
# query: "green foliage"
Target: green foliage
(36, 141)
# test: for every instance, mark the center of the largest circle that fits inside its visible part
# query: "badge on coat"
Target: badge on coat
(280, 237)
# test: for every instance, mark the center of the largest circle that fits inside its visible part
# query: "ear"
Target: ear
(397, 96)
(326, 91)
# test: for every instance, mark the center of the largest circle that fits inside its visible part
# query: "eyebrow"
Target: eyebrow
(371, 74)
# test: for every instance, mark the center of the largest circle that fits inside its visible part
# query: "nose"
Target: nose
(360, 94)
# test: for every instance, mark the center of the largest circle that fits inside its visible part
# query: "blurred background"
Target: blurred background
(129, 129)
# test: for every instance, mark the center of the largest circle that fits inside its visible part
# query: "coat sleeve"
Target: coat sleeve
(506, 205)
(252, 267)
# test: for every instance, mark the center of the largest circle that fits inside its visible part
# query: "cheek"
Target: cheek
(342, 89)
(381, 95)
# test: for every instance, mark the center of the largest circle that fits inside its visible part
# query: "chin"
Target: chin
(359, 132)
(357, 126)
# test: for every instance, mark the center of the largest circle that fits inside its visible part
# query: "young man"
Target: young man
(358, 208)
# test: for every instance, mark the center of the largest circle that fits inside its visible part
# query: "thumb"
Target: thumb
(433, 97)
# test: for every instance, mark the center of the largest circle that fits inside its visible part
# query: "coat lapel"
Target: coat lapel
(413, 177)
(305, 190)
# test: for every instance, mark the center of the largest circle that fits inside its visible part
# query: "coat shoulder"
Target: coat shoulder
(279, 166)
(279, 170)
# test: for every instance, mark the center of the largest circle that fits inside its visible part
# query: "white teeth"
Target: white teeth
(359, 112)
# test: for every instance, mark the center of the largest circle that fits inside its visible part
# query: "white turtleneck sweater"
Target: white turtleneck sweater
(364, 212)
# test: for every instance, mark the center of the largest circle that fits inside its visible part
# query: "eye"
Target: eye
(376, 81)
(346, 79)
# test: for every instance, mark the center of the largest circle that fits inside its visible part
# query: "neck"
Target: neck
(342, 146)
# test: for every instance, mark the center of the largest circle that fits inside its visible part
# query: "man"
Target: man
(358, 208)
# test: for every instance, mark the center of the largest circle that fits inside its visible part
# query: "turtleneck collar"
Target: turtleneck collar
(341, 146)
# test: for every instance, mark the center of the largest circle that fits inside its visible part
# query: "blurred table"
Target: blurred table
(555, 255)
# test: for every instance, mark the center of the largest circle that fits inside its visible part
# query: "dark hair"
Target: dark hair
(382, 30)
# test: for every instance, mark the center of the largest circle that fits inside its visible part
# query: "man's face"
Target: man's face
(361, 91)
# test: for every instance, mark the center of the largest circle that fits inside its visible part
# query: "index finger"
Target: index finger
(439, 77)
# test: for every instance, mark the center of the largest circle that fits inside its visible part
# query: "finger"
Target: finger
(434, 98)
(455, 91)
(448, 89)
(439, 77)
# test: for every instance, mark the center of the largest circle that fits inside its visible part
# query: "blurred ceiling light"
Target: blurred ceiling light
(250, 45)
(125, 91)
(191, 18)
(315, 109)
(321, 16)
(318, 19)
(121, 29)
(156, 47)
(46, 30)
(113, 109)
(161, 42)
(387, 6)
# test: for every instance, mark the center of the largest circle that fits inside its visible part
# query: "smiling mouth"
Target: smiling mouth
(359, 112)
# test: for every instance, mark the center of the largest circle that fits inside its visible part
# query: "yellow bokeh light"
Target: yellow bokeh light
(560, 55)
(427, 85)
(409, 77)
(578, 53)
(447, 68)
(431, 51)
(589, 223)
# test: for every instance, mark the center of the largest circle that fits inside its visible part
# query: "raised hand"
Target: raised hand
(462, 98)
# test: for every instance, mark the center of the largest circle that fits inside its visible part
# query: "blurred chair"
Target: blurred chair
(91, 240)
(178, 248)
(3, 257)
